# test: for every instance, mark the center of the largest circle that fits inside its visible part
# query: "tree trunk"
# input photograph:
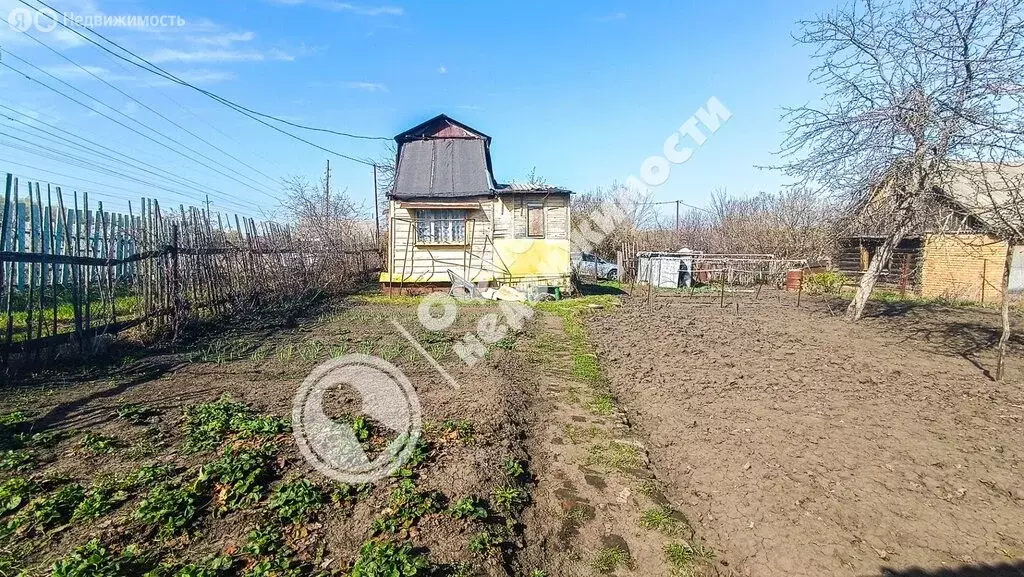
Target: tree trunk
(1004, 338)
(867, 282)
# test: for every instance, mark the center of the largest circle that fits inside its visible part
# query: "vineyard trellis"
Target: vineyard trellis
(69, 272)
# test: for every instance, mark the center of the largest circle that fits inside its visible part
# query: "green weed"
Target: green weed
(294, 499)
(610, 559)
(468, 508)
(95, 560)
(621, 456)
(135, 414)
(602, 404)
(482, 543)
(383, 559)
(663, 519)
(405, 507)
(683, 557)
(240, 475)
(206, 425)
(14, 493)
(171, 506)
(99, 444)
(461, 430)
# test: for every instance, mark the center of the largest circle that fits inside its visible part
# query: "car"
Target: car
(585, 264)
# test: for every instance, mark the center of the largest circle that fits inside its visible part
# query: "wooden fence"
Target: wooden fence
(71, 272)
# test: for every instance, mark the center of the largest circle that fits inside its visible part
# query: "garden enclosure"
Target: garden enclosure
(70, 271)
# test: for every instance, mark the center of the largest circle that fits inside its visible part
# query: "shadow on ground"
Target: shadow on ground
(590, 287)
(1014, 569)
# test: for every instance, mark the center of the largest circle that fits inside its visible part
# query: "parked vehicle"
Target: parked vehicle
(591, 265)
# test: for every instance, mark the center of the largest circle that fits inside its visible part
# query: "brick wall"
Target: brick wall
(963, 266)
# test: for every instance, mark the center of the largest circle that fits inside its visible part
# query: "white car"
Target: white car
(594, 266)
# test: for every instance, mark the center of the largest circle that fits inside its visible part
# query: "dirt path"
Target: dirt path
(597, 506)
(808, 446)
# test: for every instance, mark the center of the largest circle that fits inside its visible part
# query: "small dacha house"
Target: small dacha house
(953, 252)
(447, 213)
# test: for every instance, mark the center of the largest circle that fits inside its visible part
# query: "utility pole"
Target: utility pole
(376, 203)
(677, 218)
(327, 191)
(207, 207)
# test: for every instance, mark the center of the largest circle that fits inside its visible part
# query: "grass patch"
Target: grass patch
(621, 456)
(602, 404)
(610, 559)
(684, 557)
(662, 519)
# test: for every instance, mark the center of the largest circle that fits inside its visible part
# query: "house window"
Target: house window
(441, 226)
(534, 220)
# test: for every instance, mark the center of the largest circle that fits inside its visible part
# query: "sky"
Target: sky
(583, 92)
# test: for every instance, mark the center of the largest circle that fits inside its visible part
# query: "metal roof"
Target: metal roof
(988, 192)
(442, 168)
(443, 158)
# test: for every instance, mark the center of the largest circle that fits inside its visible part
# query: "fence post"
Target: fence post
(175, 290)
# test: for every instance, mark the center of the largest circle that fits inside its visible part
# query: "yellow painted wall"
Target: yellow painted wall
(531, 260)
(963, 266)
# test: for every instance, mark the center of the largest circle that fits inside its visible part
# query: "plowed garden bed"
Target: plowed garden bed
(805, 445)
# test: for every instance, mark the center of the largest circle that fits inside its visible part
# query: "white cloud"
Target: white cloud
(442, 70)
(225, 39)
(175, 55)
(334, 6)
(368, 86)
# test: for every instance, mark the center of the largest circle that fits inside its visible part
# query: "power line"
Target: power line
(157, 132)
(154, 69)
(83, 163)
(62, 175)
(199, 187)
(140, 103)
(108, 117)
(161, 174)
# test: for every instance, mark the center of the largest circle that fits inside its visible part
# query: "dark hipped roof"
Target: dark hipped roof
(444, 158)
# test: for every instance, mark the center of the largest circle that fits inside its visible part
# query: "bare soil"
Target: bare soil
(802, 444)
(262, 362)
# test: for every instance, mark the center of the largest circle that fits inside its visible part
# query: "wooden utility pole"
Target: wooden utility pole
(376, 204)
(327, 192)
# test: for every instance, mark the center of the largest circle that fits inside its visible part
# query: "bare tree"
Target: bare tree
(910, 89)
(993, 192)
(335, 229)
(603, 218)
